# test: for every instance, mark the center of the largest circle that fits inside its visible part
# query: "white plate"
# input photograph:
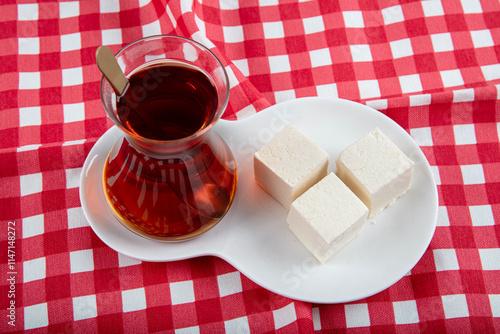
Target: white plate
(254, 236)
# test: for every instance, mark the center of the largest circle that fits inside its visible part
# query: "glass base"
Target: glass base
(173, 198)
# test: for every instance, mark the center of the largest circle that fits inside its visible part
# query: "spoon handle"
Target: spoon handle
(109, 67)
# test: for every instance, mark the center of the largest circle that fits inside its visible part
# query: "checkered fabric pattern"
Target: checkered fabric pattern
(431, 66)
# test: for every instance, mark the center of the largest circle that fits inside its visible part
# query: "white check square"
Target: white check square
(313, 24)
(328, 90)
(31, 184)
(273, 29)
(242, 65)
(393, 14)
(29, 80)
(482, 38)
(420, 100)
(473, 174)
(36, 316)
(69, 9)
(229, 283)
(320, 57)
(490, 258)
(284, 316)
(28, 45)
(380, 104)
(76, 218)
(81, 261)
(238, 325)
(73, 177)
(405, 312)
(182, 292)
(495, 305)
(463, 95)
(471, 6)
(442, 42)
(284, 95)
(72, 76)
(30, 116)
(33, 226)
(109, 6)
(126, 261)
(455, 306)
(27, 12)
(356, 315)
(442, 217)
(84, 307)
(491, 72)
(279, 64)
(432, 8)
(34, 270)
(368, 89)
(482, 215)
(111, 36)
(422, 136)
(435, 174)
(410, 83)
(353, 19)
(401, 48)
(71, 42)
(151, 29)
(74, 112)
(233, 34)
(316, 318)
(464, 134)
(134, 300)
(451, 78)
(361, 52)
(445, 259)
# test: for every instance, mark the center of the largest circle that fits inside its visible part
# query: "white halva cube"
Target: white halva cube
(289, 164)
(327, 217)
(376, 170)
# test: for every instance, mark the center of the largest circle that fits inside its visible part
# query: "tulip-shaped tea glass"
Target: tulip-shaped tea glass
(170, 178)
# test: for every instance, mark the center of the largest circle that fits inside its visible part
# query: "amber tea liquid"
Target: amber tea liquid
(187, 191)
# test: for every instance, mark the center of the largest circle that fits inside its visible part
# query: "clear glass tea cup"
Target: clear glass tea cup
(170, 178)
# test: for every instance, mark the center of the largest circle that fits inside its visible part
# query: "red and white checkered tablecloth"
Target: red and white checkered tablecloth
(433, 67)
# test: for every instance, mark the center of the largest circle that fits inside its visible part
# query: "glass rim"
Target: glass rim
(217, 115)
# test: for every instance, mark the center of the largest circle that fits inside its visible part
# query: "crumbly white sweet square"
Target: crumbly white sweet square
(326, 217)
(376, 170)
(289, 164)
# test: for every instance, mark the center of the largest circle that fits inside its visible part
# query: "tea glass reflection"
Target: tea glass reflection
(170, 177)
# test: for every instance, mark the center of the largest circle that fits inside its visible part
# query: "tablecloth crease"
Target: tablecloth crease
(433, 67)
